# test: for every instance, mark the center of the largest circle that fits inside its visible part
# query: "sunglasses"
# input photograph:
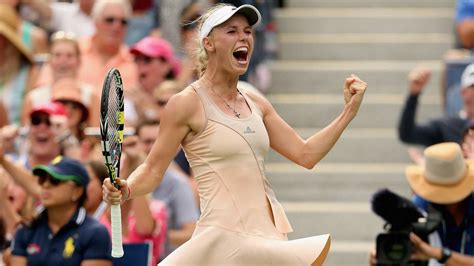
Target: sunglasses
(72, 104)
(53, 181)
(37, 120)
(111, 20)
(147, 60)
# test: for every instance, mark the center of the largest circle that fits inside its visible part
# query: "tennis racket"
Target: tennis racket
(111, 131)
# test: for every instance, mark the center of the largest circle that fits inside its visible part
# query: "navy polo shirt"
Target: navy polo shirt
(82, 238)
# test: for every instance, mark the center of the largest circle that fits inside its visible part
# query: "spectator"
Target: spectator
(442, 129)
(446, 182)
(74, 16)
(155, 62)
(16, 206)
(174, 191)
(144, 21)
(47, 124)
(62, 234)
(64, 64)
(33, 37)
(105, 49)
(464, 21)
(16, 68)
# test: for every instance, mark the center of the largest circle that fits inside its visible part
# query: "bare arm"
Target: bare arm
(145, 223)
(18, 261)
(177, 122)
(307, 153)
(22, 176)
(465, 31)
(425, 251)
(96, 263)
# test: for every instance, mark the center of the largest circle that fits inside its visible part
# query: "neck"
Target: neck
(105, 50)
(60, 216)
(222, 85)
(458, 211)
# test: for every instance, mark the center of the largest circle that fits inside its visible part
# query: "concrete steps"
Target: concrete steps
(369, 3)
(327, 76)
(315, 110)
(365, 20)
(321, 42)
(363, 46)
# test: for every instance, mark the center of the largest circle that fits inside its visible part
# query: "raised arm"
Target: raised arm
(177, 123)
(307, 153)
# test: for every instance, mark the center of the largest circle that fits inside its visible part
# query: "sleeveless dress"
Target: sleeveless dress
(241, 221)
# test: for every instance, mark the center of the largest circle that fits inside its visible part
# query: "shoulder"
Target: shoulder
(256, 96)
(183, 104)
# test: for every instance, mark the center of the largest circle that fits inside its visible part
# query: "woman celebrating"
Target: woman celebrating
(226, 132)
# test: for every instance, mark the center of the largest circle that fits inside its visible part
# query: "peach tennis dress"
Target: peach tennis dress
(241, 221)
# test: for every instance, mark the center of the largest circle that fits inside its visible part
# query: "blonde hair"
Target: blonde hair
(201, 53)
(64, 36)
(100, 5)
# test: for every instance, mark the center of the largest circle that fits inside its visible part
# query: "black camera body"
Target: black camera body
(402, 217)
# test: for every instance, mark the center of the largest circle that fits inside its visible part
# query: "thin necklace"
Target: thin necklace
(237, 114)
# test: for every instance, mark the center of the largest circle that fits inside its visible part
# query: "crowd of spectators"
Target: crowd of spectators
(54, 56)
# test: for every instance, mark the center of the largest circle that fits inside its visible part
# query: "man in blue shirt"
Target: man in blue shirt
(446, 182)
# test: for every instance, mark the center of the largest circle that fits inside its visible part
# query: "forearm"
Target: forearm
(144, 180)
(145, 223)
(319, 144)
(10, 217)
(465, 31)
(458, 259)
(22, 176)
(42, 8)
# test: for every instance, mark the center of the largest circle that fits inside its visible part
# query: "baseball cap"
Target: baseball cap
(64, 168)
(467, 79)
(50, 108)
(224, 13)
(154, 47)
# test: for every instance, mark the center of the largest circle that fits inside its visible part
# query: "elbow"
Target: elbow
(307, 163)
(147, 230)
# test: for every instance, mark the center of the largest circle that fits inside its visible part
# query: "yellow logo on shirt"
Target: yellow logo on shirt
(68, 248)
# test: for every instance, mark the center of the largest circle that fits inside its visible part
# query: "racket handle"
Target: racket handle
(116, 220)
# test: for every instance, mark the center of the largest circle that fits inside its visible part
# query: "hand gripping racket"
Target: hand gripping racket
(111, 131)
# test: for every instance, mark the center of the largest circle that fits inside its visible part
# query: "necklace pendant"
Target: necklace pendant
(237, 114)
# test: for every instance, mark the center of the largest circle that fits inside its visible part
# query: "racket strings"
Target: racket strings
(114, 122)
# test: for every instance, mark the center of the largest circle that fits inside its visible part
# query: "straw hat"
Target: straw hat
(9, 27)
(445, 178)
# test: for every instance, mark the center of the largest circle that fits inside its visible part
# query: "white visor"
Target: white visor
(224, 13)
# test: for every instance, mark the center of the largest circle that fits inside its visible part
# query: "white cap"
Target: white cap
(467, 79)
(224, 13)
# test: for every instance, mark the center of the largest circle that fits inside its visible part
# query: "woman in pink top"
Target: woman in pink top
(226, 132)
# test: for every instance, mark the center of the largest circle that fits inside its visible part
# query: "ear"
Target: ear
(208, 44)
(77, 193)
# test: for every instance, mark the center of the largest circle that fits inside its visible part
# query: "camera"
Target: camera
(402, 217)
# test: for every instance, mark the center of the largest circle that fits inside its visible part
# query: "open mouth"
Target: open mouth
(240, 54)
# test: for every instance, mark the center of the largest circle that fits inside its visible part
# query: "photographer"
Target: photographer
(446, 183)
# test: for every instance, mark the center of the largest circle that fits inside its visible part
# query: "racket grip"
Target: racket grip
(116, 220)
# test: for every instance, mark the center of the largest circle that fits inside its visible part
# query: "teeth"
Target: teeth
(242, 49)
